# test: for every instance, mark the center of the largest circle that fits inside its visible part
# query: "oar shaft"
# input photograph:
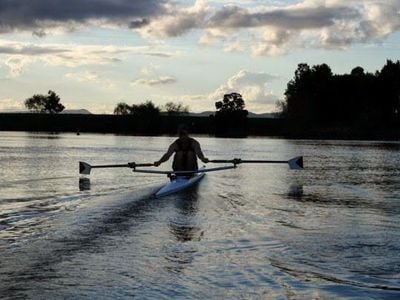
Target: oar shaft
(84, 168)
(110, 166)
(264, 161)
(239, 161)
(294, 163)
(128, 165)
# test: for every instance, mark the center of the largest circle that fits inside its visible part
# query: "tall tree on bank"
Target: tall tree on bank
(306, 93)
(49, 103)
(174, 109)
(389, 80)
(145, 110)
(316, 97)
(122, 109)
(145, 116)
(231, 117)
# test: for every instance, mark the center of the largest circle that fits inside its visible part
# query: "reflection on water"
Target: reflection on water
(264, 232)
(84, 184)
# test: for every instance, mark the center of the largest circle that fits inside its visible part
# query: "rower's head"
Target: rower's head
(183, 130)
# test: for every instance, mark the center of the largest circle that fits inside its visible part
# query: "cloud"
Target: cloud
(263, 28)
(39, 15)
(149, 75)
(86, 76)
(19, 55)
(162, 80)
(266, 29)
(177, 20)
(252, 86)
(10, 105)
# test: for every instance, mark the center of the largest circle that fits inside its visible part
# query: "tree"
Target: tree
(45, 104)
(357, 100)
(389, 79)
(122, 109)
(307, 94)
(172, 108)
(145, 110)
(231, 103)
(231, 117)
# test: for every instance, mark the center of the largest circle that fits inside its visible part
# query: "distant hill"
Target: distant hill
(263, 115)
(251, 114)
(76, 111)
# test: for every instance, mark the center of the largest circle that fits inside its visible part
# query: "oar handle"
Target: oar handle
(134, 165)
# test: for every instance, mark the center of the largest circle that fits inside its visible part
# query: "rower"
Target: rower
(186, 151)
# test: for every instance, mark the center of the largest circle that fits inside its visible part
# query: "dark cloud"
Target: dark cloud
(138, 23)
(34, 14)
(310, 17)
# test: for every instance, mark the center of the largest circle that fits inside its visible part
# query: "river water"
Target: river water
(329, 231)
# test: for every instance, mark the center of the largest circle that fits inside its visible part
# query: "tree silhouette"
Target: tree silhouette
(307, 92)
(316, 97)
(231, 117)
(145, 110)
(389, 80)
(231, 103)
(172, 108)
(122, 109)
(45, 104)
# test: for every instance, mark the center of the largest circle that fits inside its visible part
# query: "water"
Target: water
(259, 231)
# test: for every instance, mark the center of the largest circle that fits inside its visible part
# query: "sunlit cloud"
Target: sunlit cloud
(252, 86)
(162, 80)
(19, 55)
(16, 64)
(276, 27)
(83, 76)
(279, 29)
(10, 105)
(178, 20)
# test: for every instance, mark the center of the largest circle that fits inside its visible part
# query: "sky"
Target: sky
(97, 53)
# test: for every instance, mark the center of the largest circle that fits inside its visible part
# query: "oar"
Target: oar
(84, 168)
(294, 163)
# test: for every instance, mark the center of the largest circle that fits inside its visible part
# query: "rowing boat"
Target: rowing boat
(179, 183)
(180, 180)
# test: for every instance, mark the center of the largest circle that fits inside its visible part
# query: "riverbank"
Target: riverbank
(167, 125)
(128, 124)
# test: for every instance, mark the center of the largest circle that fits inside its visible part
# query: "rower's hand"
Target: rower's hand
(157, 163)
(205, 160)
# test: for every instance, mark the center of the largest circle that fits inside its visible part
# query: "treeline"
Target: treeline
(318, 104)
(317, 99)
(161, 124)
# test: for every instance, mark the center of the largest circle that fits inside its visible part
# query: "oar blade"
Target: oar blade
(84, 168)
(296, 163)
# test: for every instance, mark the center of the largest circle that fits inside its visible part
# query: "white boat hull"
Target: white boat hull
(178, 184)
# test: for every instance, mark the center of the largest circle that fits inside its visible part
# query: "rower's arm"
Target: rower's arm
(199, 153)
(166, 156)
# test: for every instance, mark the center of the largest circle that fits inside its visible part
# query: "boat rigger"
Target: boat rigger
(180, 180)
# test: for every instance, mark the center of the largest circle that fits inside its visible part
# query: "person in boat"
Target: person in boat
(186, 150)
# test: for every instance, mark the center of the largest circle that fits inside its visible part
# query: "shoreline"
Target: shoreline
(200, 126)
